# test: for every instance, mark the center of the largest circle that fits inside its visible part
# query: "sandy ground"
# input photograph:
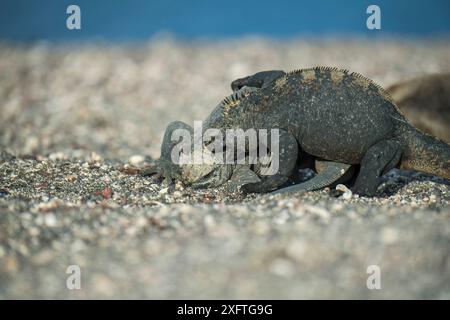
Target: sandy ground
(79, 122)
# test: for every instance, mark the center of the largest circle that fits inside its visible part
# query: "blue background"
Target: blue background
(130, 20)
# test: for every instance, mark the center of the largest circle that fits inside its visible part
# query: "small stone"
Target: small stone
(47, 206)
(177, 194)
(57, 156)
(179, 186)
(95, 157)
(50, 220)
(163, 191)
(107, 192)
(130, 170)
(348, 194)
(342, 188)
(70, 178)
(136, 159)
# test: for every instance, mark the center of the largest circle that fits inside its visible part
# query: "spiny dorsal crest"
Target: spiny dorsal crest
(358, 78)
(235, 98)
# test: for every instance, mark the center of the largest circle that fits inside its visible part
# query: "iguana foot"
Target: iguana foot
(242, 175)
(164, 170)
(379, 159)
(279, 172)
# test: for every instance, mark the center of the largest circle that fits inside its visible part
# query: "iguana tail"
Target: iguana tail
(424, 153)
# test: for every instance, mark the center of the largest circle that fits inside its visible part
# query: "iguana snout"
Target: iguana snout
(257, 80)
(206, 176)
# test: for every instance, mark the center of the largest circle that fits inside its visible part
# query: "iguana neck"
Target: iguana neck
(423, 152)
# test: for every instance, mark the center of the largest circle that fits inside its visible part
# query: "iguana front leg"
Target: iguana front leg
(287, 159)
(242, 175)
(258, 80)
(330, 172)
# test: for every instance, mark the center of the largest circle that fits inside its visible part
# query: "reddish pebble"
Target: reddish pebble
(107, 192)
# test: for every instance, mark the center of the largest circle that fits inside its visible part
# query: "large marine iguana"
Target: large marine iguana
(339, 117)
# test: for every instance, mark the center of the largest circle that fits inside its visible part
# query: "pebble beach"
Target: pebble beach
(80, 123)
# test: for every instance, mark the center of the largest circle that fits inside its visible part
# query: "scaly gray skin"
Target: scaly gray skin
(333, 115)
(233, 177)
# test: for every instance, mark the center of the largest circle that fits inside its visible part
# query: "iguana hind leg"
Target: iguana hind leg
(280, 172)
(379, 159)
(258, 80)
(330, 173)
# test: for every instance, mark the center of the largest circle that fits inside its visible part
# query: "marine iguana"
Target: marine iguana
(425, 102)
(340, 117)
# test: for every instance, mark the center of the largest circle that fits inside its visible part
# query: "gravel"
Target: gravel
(80, 123)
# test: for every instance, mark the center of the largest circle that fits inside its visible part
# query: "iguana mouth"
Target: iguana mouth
(206, 180)
(216, 177)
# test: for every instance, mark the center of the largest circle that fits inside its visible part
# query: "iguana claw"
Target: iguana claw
(164, 170)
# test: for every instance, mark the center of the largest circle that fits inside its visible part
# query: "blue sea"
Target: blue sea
(134, 20)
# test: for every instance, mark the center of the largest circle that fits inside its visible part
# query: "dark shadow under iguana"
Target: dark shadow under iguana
(339, 118)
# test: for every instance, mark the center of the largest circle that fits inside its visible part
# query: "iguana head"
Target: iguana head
(210, 173)
(232, 177)
(205, 175)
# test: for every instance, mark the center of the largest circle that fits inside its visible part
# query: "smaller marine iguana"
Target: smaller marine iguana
(340, 118)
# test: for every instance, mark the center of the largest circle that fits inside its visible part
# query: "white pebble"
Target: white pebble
(342, 188)
(177, 194)
(95, 157)
(57, 156)
(50, 220)
(347, 192)
(136, 159)
(163, 191)
(347, 195)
